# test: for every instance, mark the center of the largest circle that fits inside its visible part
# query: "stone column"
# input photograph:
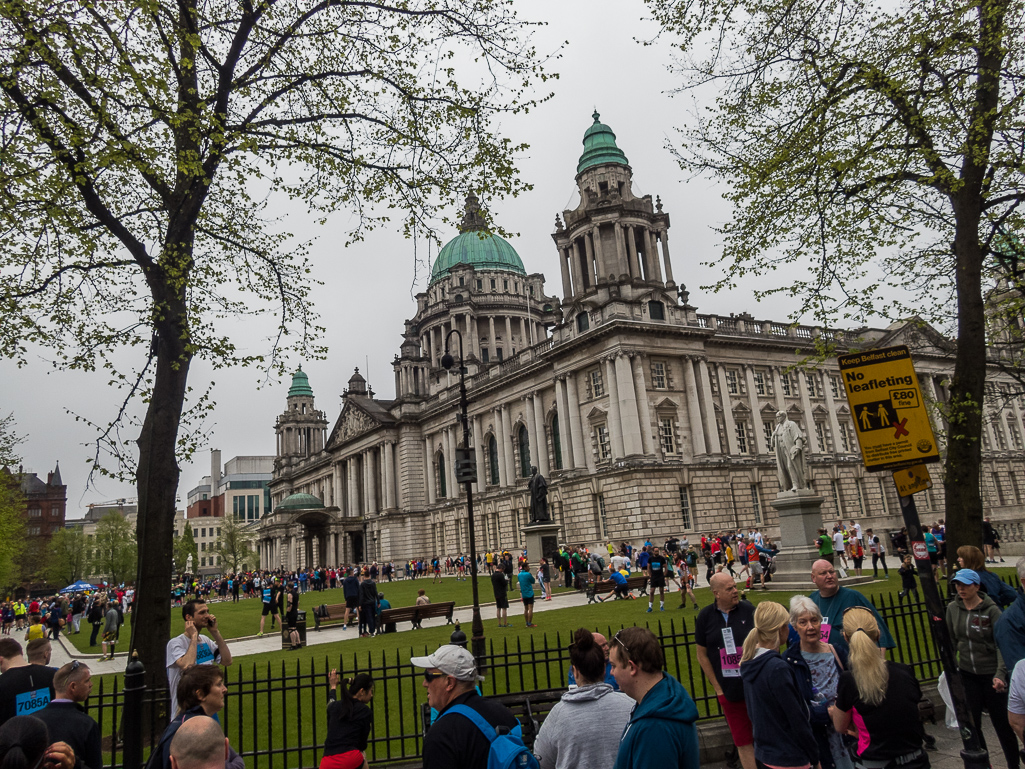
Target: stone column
(510, 455)
(389, 475)
(430, 347)
(352, 508)
(589, 254)
(711, 425)
(653, 259)
(576, 268)
(576, 429)
(756, 414)
(809, 418)
(478, 454)
(643, 409)
(339, 486)
(777, 387)
(372, 472)
(615, 414)
(565, 433)
(631, 244)
(697, 433)
(429, 471)
(508, 336)
(621, 263)
(528, 416)
(727, 410)
(500, 440)
(492, 354)
(542, 442)
(474, 338)
(599, 254)
(664, 235)
(567, 284)
(524, 336)
(834, 422)
(450, 462)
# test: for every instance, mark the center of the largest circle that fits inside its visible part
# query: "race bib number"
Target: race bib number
(204, 654)
(29, 702)
(730, 663)
(825, 630)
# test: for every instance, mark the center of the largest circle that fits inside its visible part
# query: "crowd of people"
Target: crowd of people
(800, 686)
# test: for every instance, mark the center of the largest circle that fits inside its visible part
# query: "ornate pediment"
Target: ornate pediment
(352, 422)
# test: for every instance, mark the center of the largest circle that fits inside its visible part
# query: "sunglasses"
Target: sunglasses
(428, 676)
(619, 641)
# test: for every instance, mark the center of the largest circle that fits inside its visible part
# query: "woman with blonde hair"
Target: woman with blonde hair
(885, 695)
(780, 718)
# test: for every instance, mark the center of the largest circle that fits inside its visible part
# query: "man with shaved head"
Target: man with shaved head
(719, 632)
(833, 600)
(199, 744)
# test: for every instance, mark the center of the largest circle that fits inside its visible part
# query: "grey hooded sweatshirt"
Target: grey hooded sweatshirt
(584, 728)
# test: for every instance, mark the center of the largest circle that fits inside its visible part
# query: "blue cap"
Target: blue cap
(967, 577)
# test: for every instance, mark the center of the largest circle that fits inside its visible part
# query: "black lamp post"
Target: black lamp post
(466, 473)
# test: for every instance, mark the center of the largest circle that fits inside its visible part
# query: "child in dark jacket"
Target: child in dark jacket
(907, 579)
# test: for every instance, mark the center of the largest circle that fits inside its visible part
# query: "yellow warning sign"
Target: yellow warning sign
(889, 412)
(912, 479)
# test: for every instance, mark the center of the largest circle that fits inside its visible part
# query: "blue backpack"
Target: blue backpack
(507, 750)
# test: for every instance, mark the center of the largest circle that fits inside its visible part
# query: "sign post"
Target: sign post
(894, 432)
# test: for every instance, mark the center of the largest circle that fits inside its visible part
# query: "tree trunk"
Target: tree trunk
(967, 388)
(157, 482)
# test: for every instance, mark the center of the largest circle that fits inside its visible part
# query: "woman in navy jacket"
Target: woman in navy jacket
(779, 714)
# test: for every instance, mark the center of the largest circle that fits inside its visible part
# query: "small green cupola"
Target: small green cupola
(600, 147)
(300, 385)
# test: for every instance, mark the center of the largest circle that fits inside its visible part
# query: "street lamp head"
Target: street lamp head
(447, 361)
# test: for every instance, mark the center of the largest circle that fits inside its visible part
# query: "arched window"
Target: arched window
(556, 442)
(524, 442)
(582, 324)
(493, 461)
(441, 476)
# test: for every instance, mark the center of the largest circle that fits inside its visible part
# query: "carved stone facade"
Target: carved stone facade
(647, 417)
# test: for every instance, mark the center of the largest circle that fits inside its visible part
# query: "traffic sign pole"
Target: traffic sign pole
(894, 433)
(973, 754)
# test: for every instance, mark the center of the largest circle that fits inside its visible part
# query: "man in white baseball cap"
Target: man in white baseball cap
(450, 677)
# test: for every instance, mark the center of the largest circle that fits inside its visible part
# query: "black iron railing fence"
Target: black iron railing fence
(275, 714)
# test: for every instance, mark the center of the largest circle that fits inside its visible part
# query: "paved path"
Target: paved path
(65, 651)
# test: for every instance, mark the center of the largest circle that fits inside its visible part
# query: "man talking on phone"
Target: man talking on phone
(190, 648)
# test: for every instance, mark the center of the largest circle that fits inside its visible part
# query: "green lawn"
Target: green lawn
(523, 658)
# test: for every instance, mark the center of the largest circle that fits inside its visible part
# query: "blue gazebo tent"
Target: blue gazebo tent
(79, 587)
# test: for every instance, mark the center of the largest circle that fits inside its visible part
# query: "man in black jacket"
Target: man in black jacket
(67, 720)
(368, 607)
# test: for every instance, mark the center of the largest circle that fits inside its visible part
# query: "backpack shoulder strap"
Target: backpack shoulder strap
(487, 729)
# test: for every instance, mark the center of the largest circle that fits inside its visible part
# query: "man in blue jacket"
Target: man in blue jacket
(1009, 631)
(661, 732)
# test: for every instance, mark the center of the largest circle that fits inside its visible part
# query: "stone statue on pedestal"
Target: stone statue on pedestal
(788, 443)
(188, 564)
(538, 497)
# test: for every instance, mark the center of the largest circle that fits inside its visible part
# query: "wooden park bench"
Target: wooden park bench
(636, 581)
(530, 709)
(416, 614)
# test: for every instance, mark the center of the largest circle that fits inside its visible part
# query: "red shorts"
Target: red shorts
(351, 759)
(737, 719)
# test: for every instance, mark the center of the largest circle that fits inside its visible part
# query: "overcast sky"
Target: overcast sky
(368, 289)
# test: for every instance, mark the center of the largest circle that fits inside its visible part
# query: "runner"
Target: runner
(657, 564)
(270, 604)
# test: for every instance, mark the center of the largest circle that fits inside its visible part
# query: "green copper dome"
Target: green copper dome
(600, 147)
(489, 252)
(300, 502)
(300, 385)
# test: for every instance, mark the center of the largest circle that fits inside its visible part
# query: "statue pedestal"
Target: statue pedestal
(541, 539)
(800, 518)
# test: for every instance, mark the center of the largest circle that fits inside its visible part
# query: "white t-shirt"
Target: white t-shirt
(617, 562)
(857, 531)
(838, 542)
(206, 654)
(1016, 698)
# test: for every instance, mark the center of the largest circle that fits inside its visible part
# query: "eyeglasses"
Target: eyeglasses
(429, 676)
(75, 665)
(618, 640)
